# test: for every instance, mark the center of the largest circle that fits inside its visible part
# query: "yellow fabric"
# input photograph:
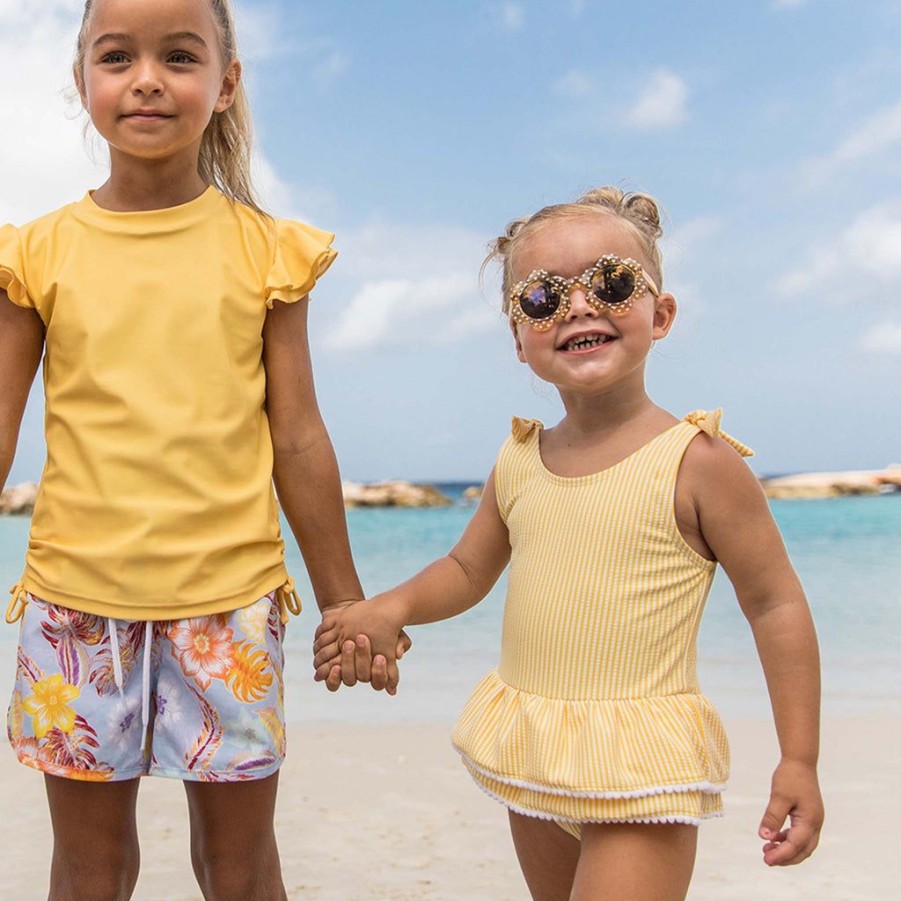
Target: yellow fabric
(156, 501)
(594, 713)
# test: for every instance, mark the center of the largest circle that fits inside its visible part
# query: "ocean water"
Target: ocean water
(845, 550)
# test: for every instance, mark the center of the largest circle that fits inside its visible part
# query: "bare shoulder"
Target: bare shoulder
(715, 486)
(712, 465)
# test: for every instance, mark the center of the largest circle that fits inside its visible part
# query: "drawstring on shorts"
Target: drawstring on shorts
(288, 601)
(145, 675)
(17, 604)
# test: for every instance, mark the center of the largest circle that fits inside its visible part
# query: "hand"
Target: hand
(359, 642)
(357, 663)
(795, 794)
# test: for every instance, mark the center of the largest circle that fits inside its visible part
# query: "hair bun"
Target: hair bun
(638, 208)
(645, 208)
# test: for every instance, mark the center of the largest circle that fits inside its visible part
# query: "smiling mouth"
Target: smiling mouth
(586, 342)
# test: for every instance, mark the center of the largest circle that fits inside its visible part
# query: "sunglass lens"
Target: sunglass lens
(539, 300)
(613, 284)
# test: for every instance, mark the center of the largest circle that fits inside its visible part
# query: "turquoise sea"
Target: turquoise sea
(847, 552)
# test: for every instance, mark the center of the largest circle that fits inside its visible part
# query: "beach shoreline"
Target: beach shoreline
(387, 813)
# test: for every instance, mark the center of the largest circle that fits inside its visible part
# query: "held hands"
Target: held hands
(795, 794)
(360, 642)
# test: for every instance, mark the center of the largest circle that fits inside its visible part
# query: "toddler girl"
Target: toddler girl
(592, 730)
(172, 313)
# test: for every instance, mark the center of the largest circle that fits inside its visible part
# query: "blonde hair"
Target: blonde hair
(638, 212)
(225, 151)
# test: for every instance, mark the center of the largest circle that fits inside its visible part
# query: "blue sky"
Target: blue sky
(769, 130)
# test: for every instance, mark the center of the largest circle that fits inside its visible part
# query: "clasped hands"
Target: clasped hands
(360, 641)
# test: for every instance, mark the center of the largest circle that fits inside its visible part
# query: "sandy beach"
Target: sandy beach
(372, 813)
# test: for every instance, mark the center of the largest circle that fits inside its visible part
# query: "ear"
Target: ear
(230, 81)
(664, 315)
(78, 78)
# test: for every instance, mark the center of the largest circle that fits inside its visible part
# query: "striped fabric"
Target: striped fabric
(594, 713)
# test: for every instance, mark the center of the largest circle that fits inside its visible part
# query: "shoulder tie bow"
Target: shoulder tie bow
(709, 423)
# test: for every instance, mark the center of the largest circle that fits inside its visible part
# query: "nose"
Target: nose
(147, 80)
(579, 305)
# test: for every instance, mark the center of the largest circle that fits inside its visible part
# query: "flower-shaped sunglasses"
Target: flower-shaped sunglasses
(612, 283)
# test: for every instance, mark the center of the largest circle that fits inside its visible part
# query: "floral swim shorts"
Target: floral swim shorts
(105, 700)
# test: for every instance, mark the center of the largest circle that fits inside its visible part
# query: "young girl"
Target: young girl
(172, 314)
(592, 730)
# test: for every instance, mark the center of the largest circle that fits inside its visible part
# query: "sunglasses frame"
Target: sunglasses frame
(563, 287)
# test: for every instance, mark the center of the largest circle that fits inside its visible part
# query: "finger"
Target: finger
(773, 819)
(379, 672)
(348, 670)
(333, 682)
(324, 636)
(799, 843)
(404, 643)
(325, 653)
(393, 678)
(363, 658)
(327, 624)
(323, 670)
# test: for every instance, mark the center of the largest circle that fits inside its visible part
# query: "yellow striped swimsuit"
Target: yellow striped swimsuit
(594, 713)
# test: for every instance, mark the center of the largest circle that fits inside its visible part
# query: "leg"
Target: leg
(548, 857)
(233, 847)
(95, 839)
(638, 861)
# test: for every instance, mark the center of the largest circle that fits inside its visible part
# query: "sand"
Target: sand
(387, 812)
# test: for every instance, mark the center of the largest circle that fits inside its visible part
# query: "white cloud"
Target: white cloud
(574, 85)
(689, 236)
(411, 285)
(576, 8)
(683, 252)
(258, 27)
(877, 133)
(46, 159)
(882, 339)
(330, 67)
(661, 103)
(861, 260)
(511, 16)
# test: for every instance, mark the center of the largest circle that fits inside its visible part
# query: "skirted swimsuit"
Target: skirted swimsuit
(594, 713)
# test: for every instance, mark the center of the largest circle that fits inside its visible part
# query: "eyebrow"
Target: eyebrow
(117, 37)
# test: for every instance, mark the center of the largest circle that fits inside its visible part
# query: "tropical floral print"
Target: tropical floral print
(48, 704)
(249, 677)
(203, 647)
(216, 695)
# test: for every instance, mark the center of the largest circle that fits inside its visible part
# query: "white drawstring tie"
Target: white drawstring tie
(145, 676)
(145, 683)
(117, 660)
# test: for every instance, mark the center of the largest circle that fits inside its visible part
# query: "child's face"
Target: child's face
(154, 76)
(589, 350)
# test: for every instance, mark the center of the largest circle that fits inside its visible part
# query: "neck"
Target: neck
(138, 185)
(609, 411)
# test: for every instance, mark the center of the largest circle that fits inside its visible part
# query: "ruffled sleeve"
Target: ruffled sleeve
(302, 254)
(709, 423)
(12, 267)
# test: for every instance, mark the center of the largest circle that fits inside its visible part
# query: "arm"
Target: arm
(721, 507)
(21, 345)
(305, 469)
(443, 589)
